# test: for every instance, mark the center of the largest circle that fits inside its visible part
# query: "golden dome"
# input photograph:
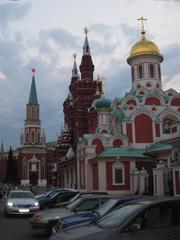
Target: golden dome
(144, 47)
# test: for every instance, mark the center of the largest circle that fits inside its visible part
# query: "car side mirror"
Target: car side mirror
(134, 227)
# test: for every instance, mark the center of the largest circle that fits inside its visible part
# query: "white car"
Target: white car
(20, 202)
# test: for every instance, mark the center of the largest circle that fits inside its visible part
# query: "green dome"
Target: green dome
(103, 103)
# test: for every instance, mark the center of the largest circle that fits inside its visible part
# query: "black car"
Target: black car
(145, 219)
(56, 198)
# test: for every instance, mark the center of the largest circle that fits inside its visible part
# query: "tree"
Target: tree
(11, 175)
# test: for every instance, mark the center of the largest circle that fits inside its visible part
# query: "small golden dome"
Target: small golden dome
(144, 47)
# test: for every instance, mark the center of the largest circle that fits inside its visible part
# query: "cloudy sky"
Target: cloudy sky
(45, 33)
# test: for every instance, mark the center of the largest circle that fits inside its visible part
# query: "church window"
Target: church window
(131, 108)
(26, 137)
(32, 137)
(132, 72)
(159, 71)
(151, 69)
(157, 85)
(138, 86)
(118, 173)
(148, 85)
(38, 137)
(132, 102)
(140, 71)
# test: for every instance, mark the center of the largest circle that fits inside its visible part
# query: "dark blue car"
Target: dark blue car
(88, 217)
(56, 198)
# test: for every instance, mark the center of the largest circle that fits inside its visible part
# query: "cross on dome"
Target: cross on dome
(142, 19)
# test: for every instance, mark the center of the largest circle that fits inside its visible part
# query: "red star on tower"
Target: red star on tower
(33, 70)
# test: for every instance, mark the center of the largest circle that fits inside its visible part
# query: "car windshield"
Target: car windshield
(118, 216)
(74, 204)
(21, 195)
(106, 207)
(74, 198)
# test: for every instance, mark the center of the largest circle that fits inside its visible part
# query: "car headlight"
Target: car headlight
(10, 204)
(36, 204)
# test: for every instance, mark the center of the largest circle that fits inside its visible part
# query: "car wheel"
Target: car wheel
(49, 228)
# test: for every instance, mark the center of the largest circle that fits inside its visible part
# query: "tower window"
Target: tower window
(159, 71)
(132, 72)
(140, 71)
(151, 68)
(118, 173)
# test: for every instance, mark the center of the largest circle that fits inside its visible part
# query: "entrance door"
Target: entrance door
(33, 179)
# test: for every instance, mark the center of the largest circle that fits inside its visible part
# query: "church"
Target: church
(130, 144)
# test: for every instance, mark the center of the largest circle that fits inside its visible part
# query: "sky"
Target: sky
(45, 33)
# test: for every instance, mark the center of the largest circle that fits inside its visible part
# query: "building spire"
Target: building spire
(86, 67)
(33, 94)
(86, 48)
(75, 69)
(2, 148)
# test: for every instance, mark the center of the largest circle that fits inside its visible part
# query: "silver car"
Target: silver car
(20, 202)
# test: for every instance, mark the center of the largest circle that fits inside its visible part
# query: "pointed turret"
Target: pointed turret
(74, 70)
(2, 148)
(32, 130)
(33, 94)
(86, 67)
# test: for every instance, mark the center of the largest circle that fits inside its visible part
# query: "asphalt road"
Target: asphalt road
(17, 228)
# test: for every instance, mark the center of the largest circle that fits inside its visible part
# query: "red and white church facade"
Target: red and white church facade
(127, 145)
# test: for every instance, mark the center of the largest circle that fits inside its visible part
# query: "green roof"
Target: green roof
(33, 94)
(123, 152)
(156, 147)
(103, 103)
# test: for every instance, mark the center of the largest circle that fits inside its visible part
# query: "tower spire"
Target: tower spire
(2, 148)
(86, 67)
(75, 69)
(33, 94)
(86, 48)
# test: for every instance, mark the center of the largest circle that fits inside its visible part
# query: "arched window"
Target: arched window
(32, 137)
(26, 137)
(148, 85)
(118, 173)
(132, 72)
(140, 71)
(159, 71)
(151, 69)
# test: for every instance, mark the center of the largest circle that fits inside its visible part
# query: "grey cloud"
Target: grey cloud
(60, 36)
(10, 12)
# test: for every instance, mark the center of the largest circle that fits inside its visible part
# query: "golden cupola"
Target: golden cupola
(144, 47)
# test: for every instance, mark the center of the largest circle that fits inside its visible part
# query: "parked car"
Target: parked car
(56, 198)
(46, 219)
(93, 216)
(143, 219)
(20, 202)
(52, 192)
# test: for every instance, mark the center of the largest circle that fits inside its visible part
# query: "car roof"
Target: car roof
(151, 200)
(18, 190)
